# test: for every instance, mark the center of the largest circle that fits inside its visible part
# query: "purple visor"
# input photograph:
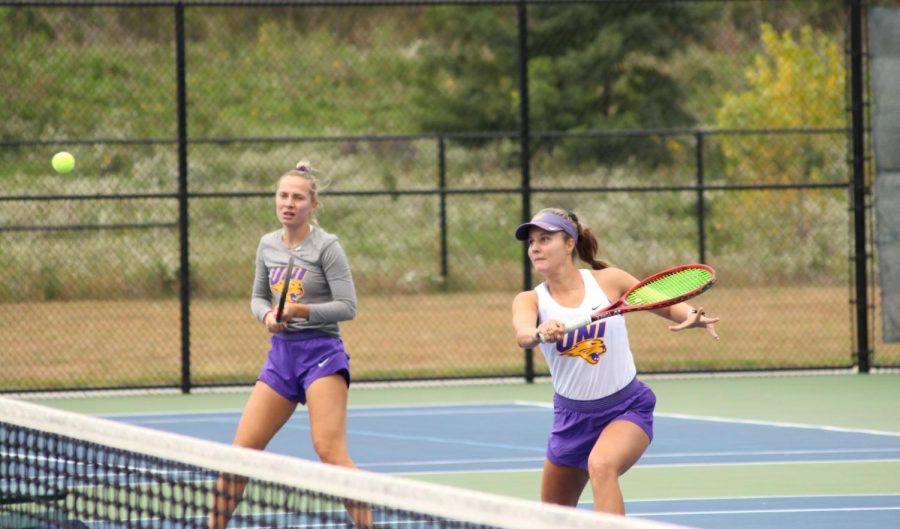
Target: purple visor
(548, 222)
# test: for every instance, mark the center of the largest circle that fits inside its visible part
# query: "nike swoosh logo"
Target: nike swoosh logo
(323, 362)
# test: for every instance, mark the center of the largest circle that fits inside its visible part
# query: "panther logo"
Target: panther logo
(589, 350)
(295, 285)
(295, 290)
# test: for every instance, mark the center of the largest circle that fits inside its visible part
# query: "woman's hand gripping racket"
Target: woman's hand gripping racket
(285, 285)
(663, 289)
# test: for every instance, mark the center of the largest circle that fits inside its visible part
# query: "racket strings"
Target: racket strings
(669, 286)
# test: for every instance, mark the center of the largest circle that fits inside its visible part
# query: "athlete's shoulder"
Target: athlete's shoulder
(529, 297)
(615, 279)
(610, 272)
(321, 237)
(273, 238)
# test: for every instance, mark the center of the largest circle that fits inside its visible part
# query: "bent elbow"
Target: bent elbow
(350, 309)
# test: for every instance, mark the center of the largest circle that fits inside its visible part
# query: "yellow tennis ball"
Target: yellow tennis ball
(63, 162)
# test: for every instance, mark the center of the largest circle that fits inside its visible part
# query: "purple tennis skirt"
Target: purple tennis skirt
(577, 423)
(296, 360)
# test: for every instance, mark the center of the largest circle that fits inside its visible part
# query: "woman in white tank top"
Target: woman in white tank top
(603, 415)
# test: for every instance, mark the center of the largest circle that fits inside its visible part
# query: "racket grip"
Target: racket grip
(579, 323)
(571, 326)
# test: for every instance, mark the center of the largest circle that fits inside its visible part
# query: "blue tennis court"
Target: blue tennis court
(705, 472)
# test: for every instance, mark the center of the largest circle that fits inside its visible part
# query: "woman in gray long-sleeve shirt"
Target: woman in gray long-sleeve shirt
(307, 363)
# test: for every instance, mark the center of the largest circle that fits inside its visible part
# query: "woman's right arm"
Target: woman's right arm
(261, 298)
(524, 319)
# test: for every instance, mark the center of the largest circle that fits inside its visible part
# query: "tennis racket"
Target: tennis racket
(285, 283)
(660, 290)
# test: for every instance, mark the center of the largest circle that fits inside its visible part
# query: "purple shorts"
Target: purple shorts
(296, 360)
(577, 423)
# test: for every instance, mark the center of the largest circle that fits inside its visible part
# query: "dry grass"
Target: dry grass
(129, 343)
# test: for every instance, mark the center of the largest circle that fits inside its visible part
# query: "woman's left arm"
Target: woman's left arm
(686, 317)
(342, 306)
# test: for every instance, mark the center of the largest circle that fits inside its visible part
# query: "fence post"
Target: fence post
(184, 268)
(525, 156)
(701, 207)
(442, 187)
(859, 185)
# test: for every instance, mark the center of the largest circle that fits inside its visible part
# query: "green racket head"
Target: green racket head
(675, 284)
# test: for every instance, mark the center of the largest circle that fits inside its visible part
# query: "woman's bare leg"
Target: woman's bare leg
(327, 402)
(265, 413)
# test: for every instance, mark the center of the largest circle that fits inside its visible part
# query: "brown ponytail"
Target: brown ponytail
(587, 248)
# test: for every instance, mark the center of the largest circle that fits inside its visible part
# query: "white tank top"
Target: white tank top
(592, 362)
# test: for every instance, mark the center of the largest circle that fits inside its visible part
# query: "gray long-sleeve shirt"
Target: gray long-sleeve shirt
(321, 279)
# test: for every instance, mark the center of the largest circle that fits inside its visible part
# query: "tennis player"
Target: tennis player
(307, 363)
(603, 415)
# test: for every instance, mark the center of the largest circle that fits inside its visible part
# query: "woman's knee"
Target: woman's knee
(330, 449)
(602, 468)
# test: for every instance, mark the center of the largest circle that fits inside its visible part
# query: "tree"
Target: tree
(590, 67)
(791, 84)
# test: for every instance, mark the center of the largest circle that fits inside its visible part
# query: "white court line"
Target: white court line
(762, 510)
(437, 462)
(755, 422)
(529, 406)
(787, 496)
(536, 404)
(778, 424)
(415, 413)
(772, 452)
(664, 466)
(420, 408)
(765, 511)
(174, 418)
(450, 472)
(409, 409)
(767, 463)
(427, 439)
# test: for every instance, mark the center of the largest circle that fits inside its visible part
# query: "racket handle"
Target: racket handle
(579, 323)
(571, 326)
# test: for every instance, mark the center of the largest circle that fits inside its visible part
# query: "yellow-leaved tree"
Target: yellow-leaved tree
(795, 84)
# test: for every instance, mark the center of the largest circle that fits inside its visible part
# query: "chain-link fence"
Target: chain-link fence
(720, 132)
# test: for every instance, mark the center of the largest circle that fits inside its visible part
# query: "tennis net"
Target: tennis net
(61, 470)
